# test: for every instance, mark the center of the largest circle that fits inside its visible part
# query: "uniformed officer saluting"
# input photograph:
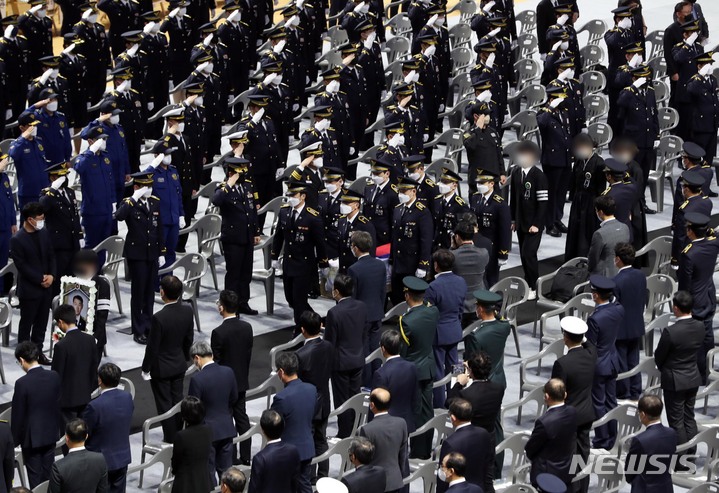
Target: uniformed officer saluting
(351, 221)
(412, 234)
(448, 206)
(240, 229)
(28, 154)
(301, 234)
(143, 250)
(483, 146)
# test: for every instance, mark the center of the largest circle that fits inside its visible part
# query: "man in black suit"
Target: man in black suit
(275, 468)
(35, 421)
(7, 455)
(34, 257)
(676, 357)
(658, 442)
(315, 360)
(346, 329)
(452, 470)
(576, 370)
(370, 287)
(75, 360)
(388, 434)
(232, 347)
(474, 443)
(365, 477)
(553, 440)
(167, 352)
(216, 387)
(399, 377)
(80, 469)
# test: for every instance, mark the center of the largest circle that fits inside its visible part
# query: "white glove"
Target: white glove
(334, 263)
(352, 150)
(485, 96)
(563, 75)
(493, 32)
(324, 271)
(45, 76)
(409, 78)
(639, 82)
(295, 107)
(148, 28)
(563, 20)
(556, 45)
(258, 116)
(276, 264)
(156, 161)
(150, 106)
(488, 8)
(625, 23)
(441, 108)
(174, 12)
(293, 21)
(300, 3)
(425, 137)
(432, 20)
(82, 242)
(161, 260)
(421, 273)
(133, 50)
(268, 80)
(675, 267)
(137, 194)
(8, 114)
(656, 144)
(502, 262)
(58, 183)
(182, 222)
(8, 32)
(279, 173)
(691, 39)
(146, 376)
(431, 49)
(556, 102)
(208, 39)
(88, 13)
(279, 46)
(358, 8)
(69, 49)
(489, 62)
(635, 60)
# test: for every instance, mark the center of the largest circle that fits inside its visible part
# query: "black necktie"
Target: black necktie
(293, 218)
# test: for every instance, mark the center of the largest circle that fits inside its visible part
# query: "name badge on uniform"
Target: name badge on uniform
(160, 179)
(527, 190)
(486, 220)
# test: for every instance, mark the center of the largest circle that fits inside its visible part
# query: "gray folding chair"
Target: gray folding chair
(670, 149)
(593, 81)
(207, 229)
(460, 34)
(527, 20)
(655, 39)
(591, 56)
(601, 133)
(658, 66)
(514, 291)
(596, 106)
(114, 247)
(527, 71)
(524, 124)
(661, 92)
(536, 396)
(668, 120)
(596, 29)
(396, 48)
(535, 96)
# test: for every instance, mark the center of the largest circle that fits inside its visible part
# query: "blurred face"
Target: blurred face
(684, 13)
(77, 305)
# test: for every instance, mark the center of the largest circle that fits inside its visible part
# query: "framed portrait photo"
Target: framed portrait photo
(81, 295)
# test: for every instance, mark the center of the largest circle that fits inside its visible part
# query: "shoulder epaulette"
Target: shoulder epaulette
(459, 200)
(438, 196)
(362, 219)
(154, 197)
(696, 77)
(128, 200)
(429, 182)
(498, 198)
(284, 206)
(394, 187)
(313, 212)
(687, 248)
(420, 206)
(686, 202)
(135, 91)
(48, 191)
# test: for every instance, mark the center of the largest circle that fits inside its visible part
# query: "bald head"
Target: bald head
(380, 400)
(555, 391)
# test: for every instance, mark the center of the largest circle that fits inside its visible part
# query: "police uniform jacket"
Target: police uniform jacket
(39, 39)
(555, 129)
(484, 151)
(59, 84)
(182, 38)
(329, 207)
(303, 242)
(15, 54)
(528, 198)
(54, 131)
(237, 36)
(132, 117)
(379, 208)
(417, 328)
(30, 163)
(603, 327)
(98, 185)
(166, 186)
(696, 269)
(638, 115)
(63, 221)
(183, 160)
(697, 203)
(412, 234)
(490, 337)
(73, 67)
(262, 149)
(331, 157)
(346, 227)
(446, 214)
(494, 222)
(415, 125)
(427, 191)
(686, 67)
(313, 179)
(124, 16)
(238, 211)
(616, 38)
(144, 240)
(574, 104)
(705, 103)
(625, 197)
(8, 217)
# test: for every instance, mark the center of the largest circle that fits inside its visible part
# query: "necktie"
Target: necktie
(375, 194)
(293, 218)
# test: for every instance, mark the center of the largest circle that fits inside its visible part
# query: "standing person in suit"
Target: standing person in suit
(553, 440)
(35, 420)
(452, 470)
(168, 352)
(232, 347)
(365, 477)
(576, 369)
(656, 441)
(388, 434)
(470, 263)
(600, 258)
(474, 443)
(7, 455)
(297, 404)
(399, 377)
(315, 359)
(216, 387)
(417, 327)
(80, 470)
(34, 257)
(76, 361)
(630, 290)
(369, 275)
(191, 450)
(676, 357)
(447, 292)
(108, 419)
(275, 468)
(346, 329)
(602, 328)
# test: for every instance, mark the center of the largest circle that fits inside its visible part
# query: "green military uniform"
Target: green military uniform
(417, 328)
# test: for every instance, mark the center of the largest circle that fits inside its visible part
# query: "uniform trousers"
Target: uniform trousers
(646, 158)
(168, 392)
(297, 290)
(628, 352)
(34, 313)
(558, 185)
(38, 462)
(97, 228)
(238, 262)
(421, 446)
(171, 234)
(345, 384)
(528, 247)
(445, 357)
(142, 294)
(679, 405)
(604, 399)
(220, 459)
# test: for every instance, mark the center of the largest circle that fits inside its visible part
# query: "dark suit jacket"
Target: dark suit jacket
(370, 277)
(447, 292)
(346, 329)
(168, 345)
(190, 459)
(35, 417)
(275, 469)
(364, 479)
(486, 399)
(316, 357)
(465, 487)
(552, 444)
(7, 452)
(296, 403)
(216, 387)
(655, 440)
(676, 354)
(232, 346)
(32, 263)
(79, 472)
(400, 378)
(576, 369)
(477, 447)
(631, 293)
(389, 436)
(108, 419)
(76, 360)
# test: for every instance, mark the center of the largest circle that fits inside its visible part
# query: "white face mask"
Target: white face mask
(625, 23)
(414, 176)
(482, 188)
(279, 46)
(317, 162)
(277, 80)
(198, 101)
(52, 106)
(564, 46)
(322, 125)
(234, 17)
(444, 189)
(181, 127)
(98, 146)
(331, 187)
(439, 21)
(525, 160)
(182, 12)
(208, 68)
(441, 475)
(403, 198)
(333, 87)
(124, 86)
(377, 179)
(39, 224)
(396, 140)
(365, 8)
(293, 201)
(345, 209)
(115, 119)
(33, 131)
(147, 192)
(569, 73)
(41, 14)
(167, 159)
(705, 70)
(636, 60)
(583, 153)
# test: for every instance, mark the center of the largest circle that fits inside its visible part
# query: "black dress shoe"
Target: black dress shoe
(713, 194)
(140, 339)
(647, 210)
(553, 231)
(246, 309)
(561, 227)
(44, 360)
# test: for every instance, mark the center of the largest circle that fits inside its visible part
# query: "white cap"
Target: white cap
(573, 325)
(312, 147)
(329, 485)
